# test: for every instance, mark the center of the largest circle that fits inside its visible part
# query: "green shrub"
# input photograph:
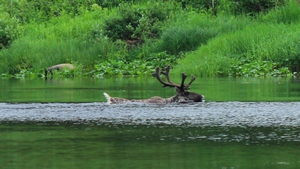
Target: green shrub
(43, 10)
(135, 23)
(10, 29)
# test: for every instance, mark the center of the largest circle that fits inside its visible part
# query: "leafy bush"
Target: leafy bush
(38, 11)
(28, 11)
(136, 23)
(9, 29)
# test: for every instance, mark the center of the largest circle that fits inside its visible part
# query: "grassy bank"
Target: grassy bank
(266, 46)
(133, 39)
(257, 50)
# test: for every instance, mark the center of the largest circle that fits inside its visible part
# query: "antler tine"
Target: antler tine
(156, 74)
(167, 74)
(187, 87)
(184, 76)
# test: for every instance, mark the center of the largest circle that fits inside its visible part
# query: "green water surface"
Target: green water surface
(69, 145)
(91, 90)
(87, 145)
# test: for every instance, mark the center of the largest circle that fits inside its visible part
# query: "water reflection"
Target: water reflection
(89, 144)
(91, 90)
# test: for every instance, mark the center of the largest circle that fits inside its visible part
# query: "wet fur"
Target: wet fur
(182, 96)
(155, 100)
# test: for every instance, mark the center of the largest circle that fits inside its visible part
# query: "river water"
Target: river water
(65, 123)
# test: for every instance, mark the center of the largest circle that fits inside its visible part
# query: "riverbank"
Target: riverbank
(100, 41)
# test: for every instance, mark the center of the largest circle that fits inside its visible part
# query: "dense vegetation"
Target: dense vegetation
(131, 37)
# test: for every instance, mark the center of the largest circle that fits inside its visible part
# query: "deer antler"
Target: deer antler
(187, 87)
(169, 82)
(166, 73)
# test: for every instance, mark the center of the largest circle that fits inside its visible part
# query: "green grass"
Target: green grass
(260, 42)
(265, 46)
(201, 43)
(60, 40)
(191, 30)
(286, 14)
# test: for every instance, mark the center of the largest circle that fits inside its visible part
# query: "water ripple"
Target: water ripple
(237, 114)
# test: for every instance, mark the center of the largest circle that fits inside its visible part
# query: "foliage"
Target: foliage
(255, 6)
(106, 68)
(286, 14)
(43, 10)
(120, 68)
(249, 7)
(136, 23)
(180, 39)
(29, 73)
(27, 11)
(187, 35)
(249, 54)
(200, 6)
(116, 38)
(258, 68)
(135, 67)
(58, 41)
(9, 29)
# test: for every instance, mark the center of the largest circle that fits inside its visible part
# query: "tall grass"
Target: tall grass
(261, 42)
(60, 40)
(288, 13)
(191, 30)
(65, 38)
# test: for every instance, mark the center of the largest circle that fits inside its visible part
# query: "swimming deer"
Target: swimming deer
(182, 96)
(58, 67)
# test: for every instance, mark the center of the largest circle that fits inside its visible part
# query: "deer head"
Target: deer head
(182, 96)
